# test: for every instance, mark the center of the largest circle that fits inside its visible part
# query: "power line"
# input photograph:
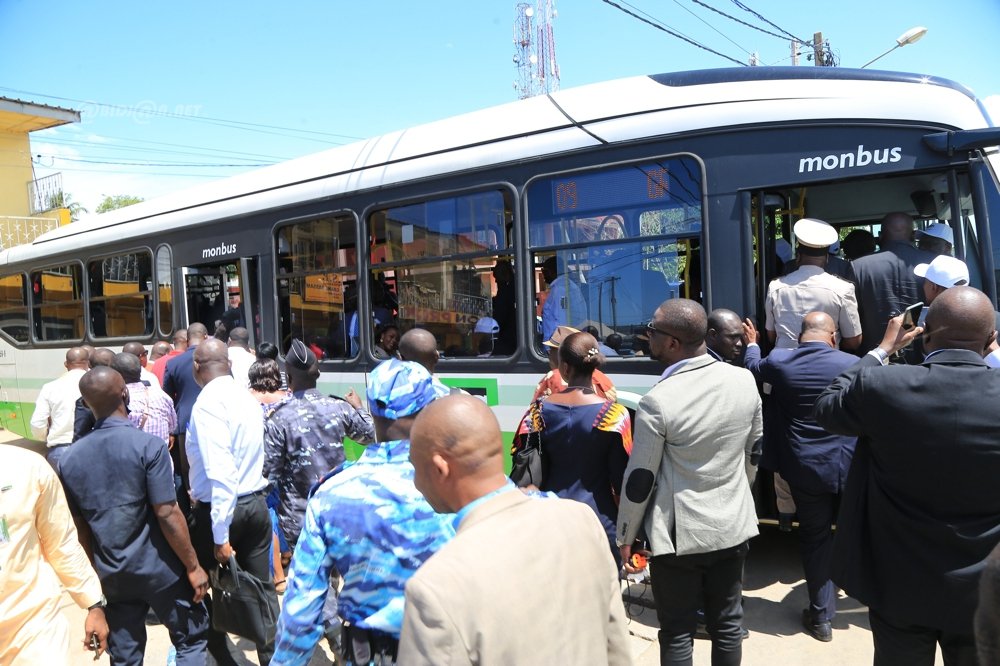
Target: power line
(165, 143)
(149, 173)
(232, 124)
(151, 164)
(59, 141)
(672, 32)
(740, 21)
(773, 25)
(724, 35)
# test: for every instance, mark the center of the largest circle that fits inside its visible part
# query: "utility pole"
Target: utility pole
(795, 53)
(818, 58)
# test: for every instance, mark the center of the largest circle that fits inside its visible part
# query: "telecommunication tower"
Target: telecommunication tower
(535, 44)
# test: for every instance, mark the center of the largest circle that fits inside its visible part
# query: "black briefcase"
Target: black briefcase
(242, 604)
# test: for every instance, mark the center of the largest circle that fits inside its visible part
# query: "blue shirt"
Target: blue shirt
(371, 523)
(225, 449)
(113, 476)
(303, 441)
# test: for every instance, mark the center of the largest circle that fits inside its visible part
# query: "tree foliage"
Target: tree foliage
(62, 199)
(117, 201)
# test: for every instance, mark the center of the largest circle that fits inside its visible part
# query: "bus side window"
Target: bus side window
(317, 284)
(635, 243)
(445, 265)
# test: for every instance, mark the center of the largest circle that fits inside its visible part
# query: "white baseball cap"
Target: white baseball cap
(939, 230)
(944, 271)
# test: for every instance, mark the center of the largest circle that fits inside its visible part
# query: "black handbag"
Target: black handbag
(528, 466)
(242, 604)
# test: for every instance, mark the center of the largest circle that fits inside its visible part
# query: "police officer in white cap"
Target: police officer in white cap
(809, 288)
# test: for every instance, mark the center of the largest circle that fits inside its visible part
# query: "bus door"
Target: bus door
(224, 295)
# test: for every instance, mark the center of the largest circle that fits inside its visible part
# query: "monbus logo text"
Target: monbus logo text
(847, 160)
(223, 248)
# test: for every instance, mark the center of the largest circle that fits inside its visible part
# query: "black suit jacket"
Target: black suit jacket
(179, 384)
(921, 510)
(806, 455)
(885, 286)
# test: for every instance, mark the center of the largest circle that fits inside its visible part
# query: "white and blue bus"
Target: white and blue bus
(642, 189)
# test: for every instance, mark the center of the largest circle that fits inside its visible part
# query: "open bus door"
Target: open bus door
(224, 294)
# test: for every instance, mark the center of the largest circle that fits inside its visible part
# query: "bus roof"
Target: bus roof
(586, 116)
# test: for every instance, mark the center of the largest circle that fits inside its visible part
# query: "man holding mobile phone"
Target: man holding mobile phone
(920, 512)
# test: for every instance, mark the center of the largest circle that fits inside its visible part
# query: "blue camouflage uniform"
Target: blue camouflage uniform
(371, 524)
(368, 522)
(303, 441)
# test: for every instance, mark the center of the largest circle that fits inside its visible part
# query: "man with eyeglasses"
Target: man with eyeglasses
(687, 485)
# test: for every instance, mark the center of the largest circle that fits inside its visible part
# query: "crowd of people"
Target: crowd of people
(165, 464)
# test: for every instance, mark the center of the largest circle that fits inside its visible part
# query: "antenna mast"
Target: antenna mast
(535, 49)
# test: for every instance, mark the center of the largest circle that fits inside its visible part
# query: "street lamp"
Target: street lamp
(909, 37)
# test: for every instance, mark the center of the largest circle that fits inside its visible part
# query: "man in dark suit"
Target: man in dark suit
(813, 461)
(884, 281)
(179, 383)
(920, 512)
(725, 336)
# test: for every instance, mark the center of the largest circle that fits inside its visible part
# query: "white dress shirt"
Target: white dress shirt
(225, 448)
(240, 361)
(55, 408)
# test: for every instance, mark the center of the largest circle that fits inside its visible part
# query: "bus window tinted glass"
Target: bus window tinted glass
(443, 265)
(604, 205)
(164, 291)
(317, 284)
(57, 297)
(121, 295)
(14, 308)
(609, 246)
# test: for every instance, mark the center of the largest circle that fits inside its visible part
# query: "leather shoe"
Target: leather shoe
(821, 631)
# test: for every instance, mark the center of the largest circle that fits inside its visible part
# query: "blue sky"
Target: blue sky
(335, 72)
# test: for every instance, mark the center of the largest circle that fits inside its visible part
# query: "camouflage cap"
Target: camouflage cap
(401, 388)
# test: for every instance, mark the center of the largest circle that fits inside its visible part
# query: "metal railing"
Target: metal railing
(22, 230)
(45, 193)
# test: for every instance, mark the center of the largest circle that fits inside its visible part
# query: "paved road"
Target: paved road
(774, 596)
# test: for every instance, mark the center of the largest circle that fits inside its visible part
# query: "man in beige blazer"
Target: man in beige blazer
(526, 580)
(688, 483)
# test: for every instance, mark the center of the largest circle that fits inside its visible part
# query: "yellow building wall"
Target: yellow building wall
(15, 173)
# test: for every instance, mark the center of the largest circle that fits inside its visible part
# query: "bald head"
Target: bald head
(159, 350)
(211, 360)
(101, 357)
(725, 334)
(686, 319)
(453, 463)
(135, 348)
(196, 332)
(77, 358)
(897, 227)
(239, 337)
(103, 390)
(960, 318)
(128, 366)
(420, 346)
(818, 327)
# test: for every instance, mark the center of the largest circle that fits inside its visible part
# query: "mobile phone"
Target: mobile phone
(911, 315)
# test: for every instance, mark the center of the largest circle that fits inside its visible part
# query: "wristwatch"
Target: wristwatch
(101, 603)
(880, 354)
